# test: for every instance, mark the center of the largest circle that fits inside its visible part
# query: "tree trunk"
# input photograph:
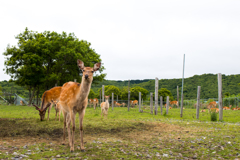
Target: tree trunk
(32, 95)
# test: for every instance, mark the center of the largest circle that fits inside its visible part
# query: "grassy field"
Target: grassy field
(123, 135)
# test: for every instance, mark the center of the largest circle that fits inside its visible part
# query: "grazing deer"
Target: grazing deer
(118, 104)
(212, 104)
(123, 104)
(203, 110)
(74, 99)
(95, 103)
(134, 103)
(172, 103)
(105, 106)
(47, 97)
(57, 109)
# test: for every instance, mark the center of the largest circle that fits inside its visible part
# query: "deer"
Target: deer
(47, 97)
(95, 103)
(57, 109)
(134, 103)
(172, 103)
(90, 102)
(105, 106)
(21, 103)
(123, 104)
(74, 99)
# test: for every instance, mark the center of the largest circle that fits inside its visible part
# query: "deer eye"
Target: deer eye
(83, 70)
(92, 71)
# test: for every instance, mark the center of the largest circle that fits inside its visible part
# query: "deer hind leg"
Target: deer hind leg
(64, 126)
(81, 115)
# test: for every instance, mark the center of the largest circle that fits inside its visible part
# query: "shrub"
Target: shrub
(213, 116)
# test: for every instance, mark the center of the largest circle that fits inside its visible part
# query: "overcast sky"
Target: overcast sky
(137, 39)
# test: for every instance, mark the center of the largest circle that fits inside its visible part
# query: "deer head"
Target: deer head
(88, 71)
(41, 112)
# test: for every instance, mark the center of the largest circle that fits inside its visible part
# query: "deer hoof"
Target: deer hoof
(82, 150)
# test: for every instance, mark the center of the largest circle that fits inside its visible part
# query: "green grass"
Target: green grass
(128, 135)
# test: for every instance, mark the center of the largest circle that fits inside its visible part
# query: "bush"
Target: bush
(213, 116)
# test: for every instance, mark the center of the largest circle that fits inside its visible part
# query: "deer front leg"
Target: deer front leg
(59, 114)
(49, 109)
(72, 118)
(81, 115)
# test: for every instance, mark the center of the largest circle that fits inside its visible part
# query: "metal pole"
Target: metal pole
(181, 114)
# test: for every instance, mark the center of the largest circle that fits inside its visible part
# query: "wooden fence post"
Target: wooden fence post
(161, 103)
(167, 105)
(102, 93)
(156, 95)
(128, 100)
(100, 98)
(139, 101)
(198, 102)
(75, 80)
(151, 102)
(178, 96)
(220, 105)
(112, 100)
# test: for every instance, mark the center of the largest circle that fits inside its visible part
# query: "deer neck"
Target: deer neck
(84, 89)
(107, 101)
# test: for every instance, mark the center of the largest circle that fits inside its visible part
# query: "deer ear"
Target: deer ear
(80, 64)
(97, 66)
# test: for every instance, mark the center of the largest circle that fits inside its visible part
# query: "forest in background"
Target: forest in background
(208, 83)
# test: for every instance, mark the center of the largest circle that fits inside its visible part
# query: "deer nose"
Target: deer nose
(86, 76)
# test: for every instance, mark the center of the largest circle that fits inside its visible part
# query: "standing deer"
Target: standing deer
(95, 103)
(105, 106)
(57, 109)
(74, 99)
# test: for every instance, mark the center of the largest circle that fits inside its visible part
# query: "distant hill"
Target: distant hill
(208, 83)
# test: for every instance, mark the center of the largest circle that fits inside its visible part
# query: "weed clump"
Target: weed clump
(165, 114)
(213, 116)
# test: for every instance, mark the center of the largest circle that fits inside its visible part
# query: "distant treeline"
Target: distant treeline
(208, 83)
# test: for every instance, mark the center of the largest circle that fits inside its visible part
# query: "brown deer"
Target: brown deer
(95, 103)
(57, 109)
(105, 106)
(74, 99)
(47, 97)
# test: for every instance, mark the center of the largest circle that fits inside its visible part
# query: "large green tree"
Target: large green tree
(134, 93)
(42, 60)
(164, 93)
(109, 89)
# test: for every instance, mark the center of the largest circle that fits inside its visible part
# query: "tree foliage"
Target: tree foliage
(135, 93)
(42, 60)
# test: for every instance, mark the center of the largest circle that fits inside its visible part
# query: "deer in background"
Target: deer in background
(74, 99)
(95, 103)
(57, 109)
(105, 106)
